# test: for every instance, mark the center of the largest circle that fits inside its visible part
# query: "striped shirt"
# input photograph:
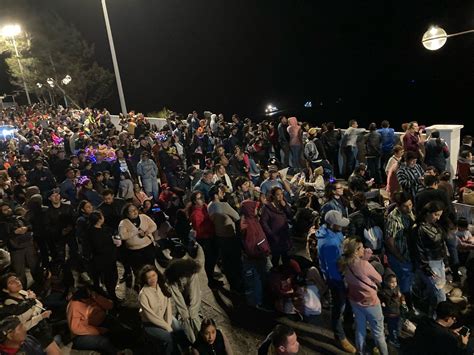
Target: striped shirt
(409, 178)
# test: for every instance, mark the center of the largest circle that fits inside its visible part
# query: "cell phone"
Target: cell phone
(464, 331)
(156, 209)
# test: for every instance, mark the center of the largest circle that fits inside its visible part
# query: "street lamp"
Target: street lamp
(12, 31)
(66, 80)
(114, 59)
(270, 109)
(436, 37)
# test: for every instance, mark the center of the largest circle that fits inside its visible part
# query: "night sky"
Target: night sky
(360, 59)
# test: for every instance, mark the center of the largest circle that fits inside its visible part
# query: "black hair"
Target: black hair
(81, 205)
(430, 180)
(435, 134)
(445, 176)
(107, 192)
(462, 222)
(401, 197)
(385, 124)
(351, 122)
(446, 309)
(4, 280)
(94, 217)
(194, 196)
(280, 335)
(410, 155)
(82, 293)
(179, 268)
(207, 322)
(161, 280)
(372, 126)
(359, 200)
(430, 207)
(465, 153)
(125, 209)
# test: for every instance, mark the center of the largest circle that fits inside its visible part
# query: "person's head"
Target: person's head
(359, 200)
(445, 176)
(276, 194)
(361, 169)
(108, 196)
(372, 126)
(431, 212)
(467, 140)
(242, 183)
(208, 330)
(352, 249)
(217, 192)
(385, 124)
(413, 127)
(219, 169)
(54, 197)
(411, 158)
(12, 332)
(353, 124)
(22, 180)
(5, 209)
(434, 134)
(39, 164)
(96, 219)
(207, 176)
(10, 284)
(99, 176)
(462, 224)
(130, 211)
(85, 207)
(220, 150)
(431, 170)
(284, 340)
(272, 172)
(145, 155)
(403, 201)
(447, 312)
(391, 281)
(398, 151)
(431, 181)
(197, 199)
(70, 174)
(335, 221)
(466, 154)
(334, 189)
(149, 275)
(283, 120)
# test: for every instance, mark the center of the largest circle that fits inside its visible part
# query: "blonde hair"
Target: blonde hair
(349, 249)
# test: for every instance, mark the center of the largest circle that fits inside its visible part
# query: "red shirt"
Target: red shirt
(201, 222)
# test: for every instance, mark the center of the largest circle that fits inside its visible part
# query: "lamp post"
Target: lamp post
(114, 58)
(12, 31)
(66, 80)
(50, 82)
(436, 37)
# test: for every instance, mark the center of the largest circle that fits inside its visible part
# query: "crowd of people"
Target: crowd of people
(292, 218)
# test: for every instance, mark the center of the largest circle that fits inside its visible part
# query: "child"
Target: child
(392, 300)
(126, 186)
(211, 341)
(465, 240)
(139, 196)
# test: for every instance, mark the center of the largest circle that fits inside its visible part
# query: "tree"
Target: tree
(51, 48)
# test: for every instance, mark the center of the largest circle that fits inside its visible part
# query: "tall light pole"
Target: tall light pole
(114, 59)
(12, 31)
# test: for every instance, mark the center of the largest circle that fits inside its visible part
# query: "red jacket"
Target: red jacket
(201, 222)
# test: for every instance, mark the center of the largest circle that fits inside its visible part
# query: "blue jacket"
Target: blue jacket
(388, 139)
(329, 252)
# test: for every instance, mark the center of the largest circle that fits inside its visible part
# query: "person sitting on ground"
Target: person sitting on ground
(281, 341)
(15, 340)
(211, 341)
(35, 320)
(86, 315)
(436, 336)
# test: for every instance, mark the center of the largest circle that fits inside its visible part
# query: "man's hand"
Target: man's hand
(21, 230)
(31, 294)
(46, 314)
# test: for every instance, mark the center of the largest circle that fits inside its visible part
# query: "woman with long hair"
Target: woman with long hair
(104, 253)
(156, 312)
(431, 251)
(275, 217)
(136, 230)
(362, 280)
(211, 341)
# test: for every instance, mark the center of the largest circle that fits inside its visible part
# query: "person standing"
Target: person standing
(284, 141)
(388, 142)
(296, 142)
(349, 145)
(362, 280)
(148, 172)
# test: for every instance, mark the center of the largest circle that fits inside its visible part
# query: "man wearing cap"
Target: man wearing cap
(330, 240)
(147, 171)
(15, 340)
(274, 179)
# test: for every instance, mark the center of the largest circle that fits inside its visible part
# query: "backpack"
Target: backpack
(373, 237)
(310, 151)
(254, 241)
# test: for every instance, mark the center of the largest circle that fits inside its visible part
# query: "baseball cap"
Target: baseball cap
(8, 325)
(53, 191)
(272, 168)
(335, 217)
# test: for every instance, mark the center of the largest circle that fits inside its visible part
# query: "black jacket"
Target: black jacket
(430, 244)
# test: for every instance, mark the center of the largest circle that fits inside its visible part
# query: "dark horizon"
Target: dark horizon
(361, 61)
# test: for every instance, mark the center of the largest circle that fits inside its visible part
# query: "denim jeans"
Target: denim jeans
(211, 254)
(295, 156)
(434, 285)
(150, 186)
(338, 295)
(166, 341)
(404, 273)
(255, 274)
(374, 316)
(393, 326)
(97, 343)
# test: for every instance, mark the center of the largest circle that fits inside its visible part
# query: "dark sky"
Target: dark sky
(237, 56)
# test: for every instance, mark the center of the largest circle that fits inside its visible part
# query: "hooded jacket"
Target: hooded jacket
(249, 224)
(274, 222)
(329, 252)
(294, 130)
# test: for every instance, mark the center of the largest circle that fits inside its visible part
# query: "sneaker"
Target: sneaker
(409, 326)
(347, 346)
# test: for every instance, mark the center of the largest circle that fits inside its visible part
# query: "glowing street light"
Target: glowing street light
(39, 85)
(436, 37)
(50, 82)
(10, 31)
(67, 79)
(270, 109)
